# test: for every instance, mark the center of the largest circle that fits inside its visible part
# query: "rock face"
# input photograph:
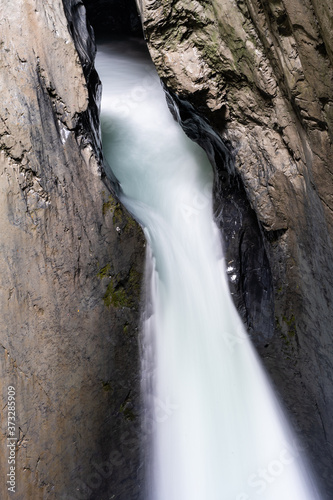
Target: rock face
(252, 82)
(70, 270)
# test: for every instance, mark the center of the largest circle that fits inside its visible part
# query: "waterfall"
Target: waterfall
(214, 426)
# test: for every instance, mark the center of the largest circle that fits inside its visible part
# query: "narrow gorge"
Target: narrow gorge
(251, 83)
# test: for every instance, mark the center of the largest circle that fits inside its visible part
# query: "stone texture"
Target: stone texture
(70, 268)
(252, 82)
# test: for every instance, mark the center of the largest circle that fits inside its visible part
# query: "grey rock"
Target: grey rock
(69, 280)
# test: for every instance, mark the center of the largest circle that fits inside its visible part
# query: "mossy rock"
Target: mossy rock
(120, 217)
(109, 205)
(121, 292)
(116, 296)
(106, 386)
(104, 272)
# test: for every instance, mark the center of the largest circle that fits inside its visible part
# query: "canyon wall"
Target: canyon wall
(252, 82)
(70, 268)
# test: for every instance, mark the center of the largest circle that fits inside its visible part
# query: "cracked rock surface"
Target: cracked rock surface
(70, 267)
(252, 82)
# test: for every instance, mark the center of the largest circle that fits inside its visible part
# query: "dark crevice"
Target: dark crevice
(273, 236)
(244, 246)
(322, 49)
(88, 125)
(283, 25)
(114, 18)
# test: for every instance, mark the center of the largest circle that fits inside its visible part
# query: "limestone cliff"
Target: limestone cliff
(70, 269)
(252, 82)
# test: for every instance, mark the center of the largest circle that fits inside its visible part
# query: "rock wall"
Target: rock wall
(252, 82)
(70, 268)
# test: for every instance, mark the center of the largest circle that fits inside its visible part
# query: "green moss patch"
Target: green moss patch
(106, 386)
(104, 272)
(116, 296)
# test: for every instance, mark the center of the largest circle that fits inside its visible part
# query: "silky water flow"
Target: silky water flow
(215, 429)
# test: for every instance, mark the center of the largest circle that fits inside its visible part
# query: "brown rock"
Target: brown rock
(70, 268)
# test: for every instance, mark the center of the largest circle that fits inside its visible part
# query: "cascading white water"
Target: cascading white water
(217, 431)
